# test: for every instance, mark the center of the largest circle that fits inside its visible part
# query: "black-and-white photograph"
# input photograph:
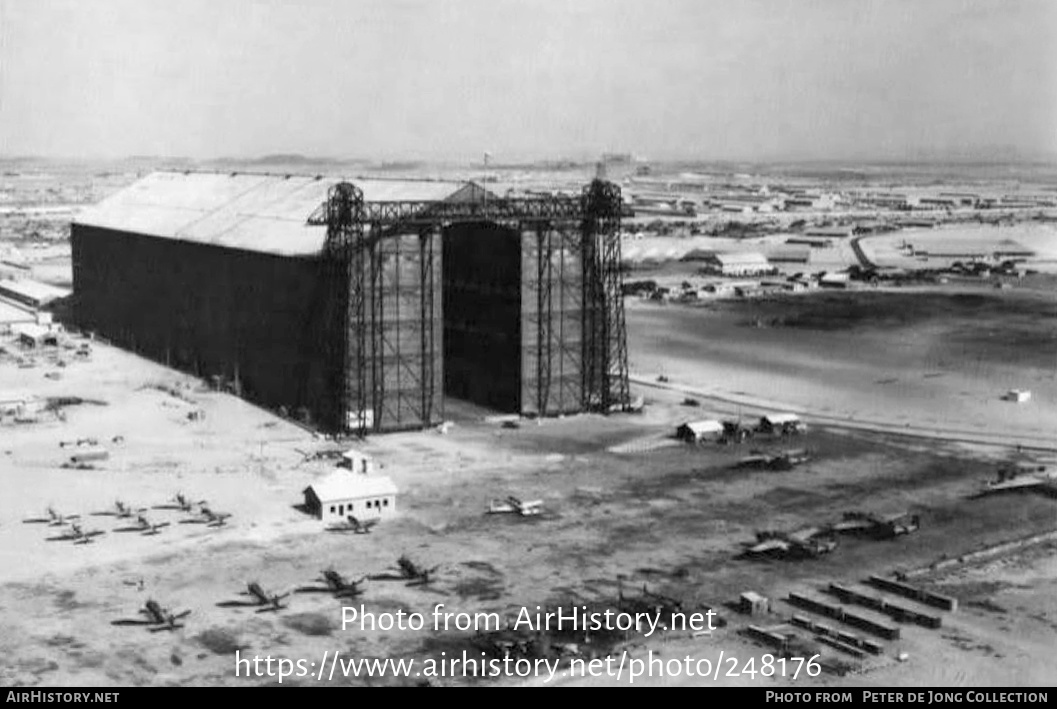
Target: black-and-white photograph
(535, 343)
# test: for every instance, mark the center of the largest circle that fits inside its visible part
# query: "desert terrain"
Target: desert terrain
(900, 386)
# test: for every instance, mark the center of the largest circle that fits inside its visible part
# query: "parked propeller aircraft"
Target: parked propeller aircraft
(120, 510)
(144, 525)
(53, 518)
(208, 517)
(162, 617)
(877, 526)
(336, 584)
(78, 535)
(808, 542)
(354, 525)
(525, 508)
(271, 601)
(786, 460)
(415, 574)
(180, 502)
(1023, 476)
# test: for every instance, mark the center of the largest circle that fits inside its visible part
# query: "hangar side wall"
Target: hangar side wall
(482, 315)
(207, 310)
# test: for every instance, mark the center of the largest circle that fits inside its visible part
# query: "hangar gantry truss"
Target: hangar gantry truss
(388, 374)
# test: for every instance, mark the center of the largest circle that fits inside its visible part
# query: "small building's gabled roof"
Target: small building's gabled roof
(341, 484)
(255, 212)
(701, 427)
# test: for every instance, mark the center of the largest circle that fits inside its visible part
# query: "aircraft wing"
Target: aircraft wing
(1014, 484)
(769, 545)
(852, 525)
(803, 535)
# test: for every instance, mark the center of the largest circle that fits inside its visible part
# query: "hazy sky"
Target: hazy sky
(720, 79)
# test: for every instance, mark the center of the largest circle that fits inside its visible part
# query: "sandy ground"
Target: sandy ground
(672, 516)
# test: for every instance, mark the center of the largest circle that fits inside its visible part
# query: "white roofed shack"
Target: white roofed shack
(695, 431)
(342, 493)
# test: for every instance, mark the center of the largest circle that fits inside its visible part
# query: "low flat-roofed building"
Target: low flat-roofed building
(817, 242)
(794, 253)
(33, 335)
(31, 293)
(746, 263)
(832, 232)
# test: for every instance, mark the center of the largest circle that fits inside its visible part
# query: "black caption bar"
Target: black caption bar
(892, 697)
(907, 697)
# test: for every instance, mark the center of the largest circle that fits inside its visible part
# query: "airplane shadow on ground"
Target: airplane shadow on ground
(237, 604)
(249, 604)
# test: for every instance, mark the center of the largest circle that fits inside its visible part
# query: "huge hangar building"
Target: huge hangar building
(360, 305)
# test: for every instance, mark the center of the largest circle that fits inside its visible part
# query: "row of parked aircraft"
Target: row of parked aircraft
(78, 534)
(813, 541)
(330, 581)
(809, 542)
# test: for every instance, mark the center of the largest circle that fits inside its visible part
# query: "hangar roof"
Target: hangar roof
(250, 211)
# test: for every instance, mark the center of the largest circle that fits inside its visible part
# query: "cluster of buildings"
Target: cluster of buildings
(23, 313)
(688, 197)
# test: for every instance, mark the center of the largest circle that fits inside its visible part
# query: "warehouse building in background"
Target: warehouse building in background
(359, 306)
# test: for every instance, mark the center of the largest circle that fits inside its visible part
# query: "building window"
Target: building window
(333, 509)
(368, 504)
(385, 502)
(341, 509)
(350, 507)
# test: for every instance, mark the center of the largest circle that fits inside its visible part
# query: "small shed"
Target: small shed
(33, 335)
(698, 431)
(1018, 395)
(342, 493)
(753, 603)
(781, 423)
(357, 462)
(834, 280)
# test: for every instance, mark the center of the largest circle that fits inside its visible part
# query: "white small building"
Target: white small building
(698, 431)
(357, 462)
(1018, 395)
(834, 280)
(33, 335)
(342, 493)
(749, 263)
